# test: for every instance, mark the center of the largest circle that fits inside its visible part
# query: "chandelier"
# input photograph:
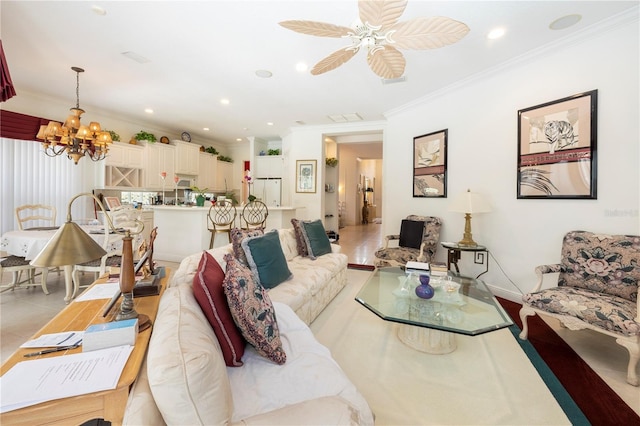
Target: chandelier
(72, 138)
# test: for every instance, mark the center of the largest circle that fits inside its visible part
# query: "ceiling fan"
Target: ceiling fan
(379, 31)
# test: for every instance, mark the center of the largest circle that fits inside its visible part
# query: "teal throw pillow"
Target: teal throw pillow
(316, 238)
(266, 259)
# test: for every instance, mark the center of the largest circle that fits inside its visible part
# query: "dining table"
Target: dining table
(28, 243)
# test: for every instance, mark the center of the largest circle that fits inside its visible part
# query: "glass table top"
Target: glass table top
(468, 307)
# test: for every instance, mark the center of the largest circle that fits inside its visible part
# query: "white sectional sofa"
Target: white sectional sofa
(186, 380)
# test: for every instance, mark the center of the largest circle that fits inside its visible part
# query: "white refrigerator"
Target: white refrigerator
(268, 190)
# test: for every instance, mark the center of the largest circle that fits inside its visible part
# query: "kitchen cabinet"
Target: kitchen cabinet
(268, 166)
(159, 158)
(125, 155)
(224, 176)
(207, 171)
(187, 158)
(123, 166)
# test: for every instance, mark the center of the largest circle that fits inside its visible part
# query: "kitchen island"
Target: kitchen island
(182, 230)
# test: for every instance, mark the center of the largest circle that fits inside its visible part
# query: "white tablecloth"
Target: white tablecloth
(29, 243)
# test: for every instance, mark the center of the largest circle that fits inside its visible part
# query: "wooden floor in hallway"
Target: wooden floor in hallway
(360, 242)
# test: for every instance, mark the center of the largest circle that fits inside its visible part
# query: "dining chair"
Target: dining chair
(221, 218)
(254, 215)
(39, 213)
(122, 217)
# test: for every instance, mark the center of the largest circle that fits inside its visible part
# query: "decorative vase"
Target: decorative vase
(424, 290)
(200, 201)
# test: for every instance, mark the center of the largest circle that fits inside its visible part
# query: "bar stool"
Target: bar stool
(221, 218)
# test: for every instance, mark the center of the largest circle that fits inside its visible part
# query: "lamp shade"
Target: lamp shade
(69, 246)
(469, 202)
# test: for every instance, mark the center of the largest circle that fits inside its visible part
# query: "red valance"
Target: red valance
(14, 125)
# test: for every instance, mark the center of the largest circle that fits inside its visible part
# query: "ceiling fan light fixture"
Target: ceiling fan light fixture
(378, 31)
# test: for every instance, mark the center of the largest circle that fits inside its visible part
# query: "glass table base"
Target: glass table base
(429, 340)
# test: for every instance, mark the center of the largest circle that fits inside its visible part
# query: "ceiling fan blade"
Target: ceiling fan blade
(333, 61)
(321, 29)
(428, 33)
(387, 63)
(385, 13)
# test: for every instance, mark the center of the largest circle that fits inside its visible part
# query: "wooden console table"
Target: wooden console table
(108, 405)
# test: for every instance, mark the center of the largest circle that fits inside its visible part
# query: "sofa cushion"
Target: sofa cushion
(186, 370)
(316, 238)
(252, 311)
(266, 259)
(301, 244)
(326, 410)
(411, 232)
(310, 373)
(237, 235)
(207, 289)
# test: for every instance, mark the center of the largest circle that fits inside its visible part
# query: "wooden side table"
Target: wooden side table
(108, 405)
(454, 251)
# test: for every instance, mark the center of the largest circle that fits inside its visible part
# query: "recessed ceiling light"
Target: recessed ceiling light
(301, 67)
(565, 22)
(495, 33)
(148, 110)
(264, 73)
(98, 10)
(206, 129)
(269, 123)
(238, 139)
(224, 101)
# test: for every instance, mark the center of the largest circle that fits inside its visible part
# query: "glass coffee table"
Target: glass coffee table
(460, 305)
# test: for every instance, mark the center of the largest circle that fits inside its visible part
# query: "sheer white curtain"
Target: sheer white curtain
(28, 176)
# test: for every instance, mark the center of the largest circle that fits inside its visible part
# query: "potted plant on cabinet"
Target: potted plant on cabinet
(145, 136)
(200, 198)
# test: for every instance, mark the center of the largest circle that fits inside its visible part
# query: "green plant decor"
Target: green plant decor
(145, 136)
(200, 198)
(114, 136)
(211, 150)
(331, 161)
(273, 152)
(225, 158)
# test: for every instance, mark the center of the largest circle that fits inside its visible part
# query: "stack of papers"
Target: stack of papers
(46, 379)
(55, 340)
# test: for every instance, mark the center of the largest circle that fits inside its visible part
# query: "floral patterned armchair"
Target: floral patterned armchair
(423, 252)
(597, 289)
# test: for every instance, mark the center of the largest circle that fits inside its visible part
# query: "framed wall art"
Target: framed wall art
(430, 165)
(557, 148)
(112, 202)
(306, 176)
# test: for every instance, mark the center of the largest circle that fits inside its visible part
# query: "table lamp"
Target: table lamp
(468, 203)
(71, 245)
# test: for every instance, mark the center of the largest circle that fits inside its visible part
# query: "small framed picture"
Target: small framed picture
(557, 148)
(112, 202)
(306, 176)
(430, 165)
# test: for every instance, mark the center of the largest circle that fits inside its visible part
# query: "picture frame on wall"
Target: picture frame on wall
(430, 165)
(306, 176)
(112, 202)
(557, 147)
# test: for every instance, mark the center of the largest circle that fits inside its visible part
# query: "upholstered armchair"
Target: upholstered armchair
(417, 241)
(597, 289)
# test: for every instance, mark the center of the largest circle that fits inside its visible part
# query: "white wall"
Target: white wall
(481, 116)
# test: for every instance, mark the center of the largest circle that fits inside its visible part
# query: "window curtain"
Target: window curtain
(29, 176)
(7, 91)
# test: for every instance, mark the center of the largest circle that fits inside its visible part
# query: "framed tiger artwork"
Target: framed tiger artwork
(557, 148)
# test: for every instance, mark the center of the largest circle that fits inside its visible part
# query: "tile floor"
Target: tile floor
(24, 311)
